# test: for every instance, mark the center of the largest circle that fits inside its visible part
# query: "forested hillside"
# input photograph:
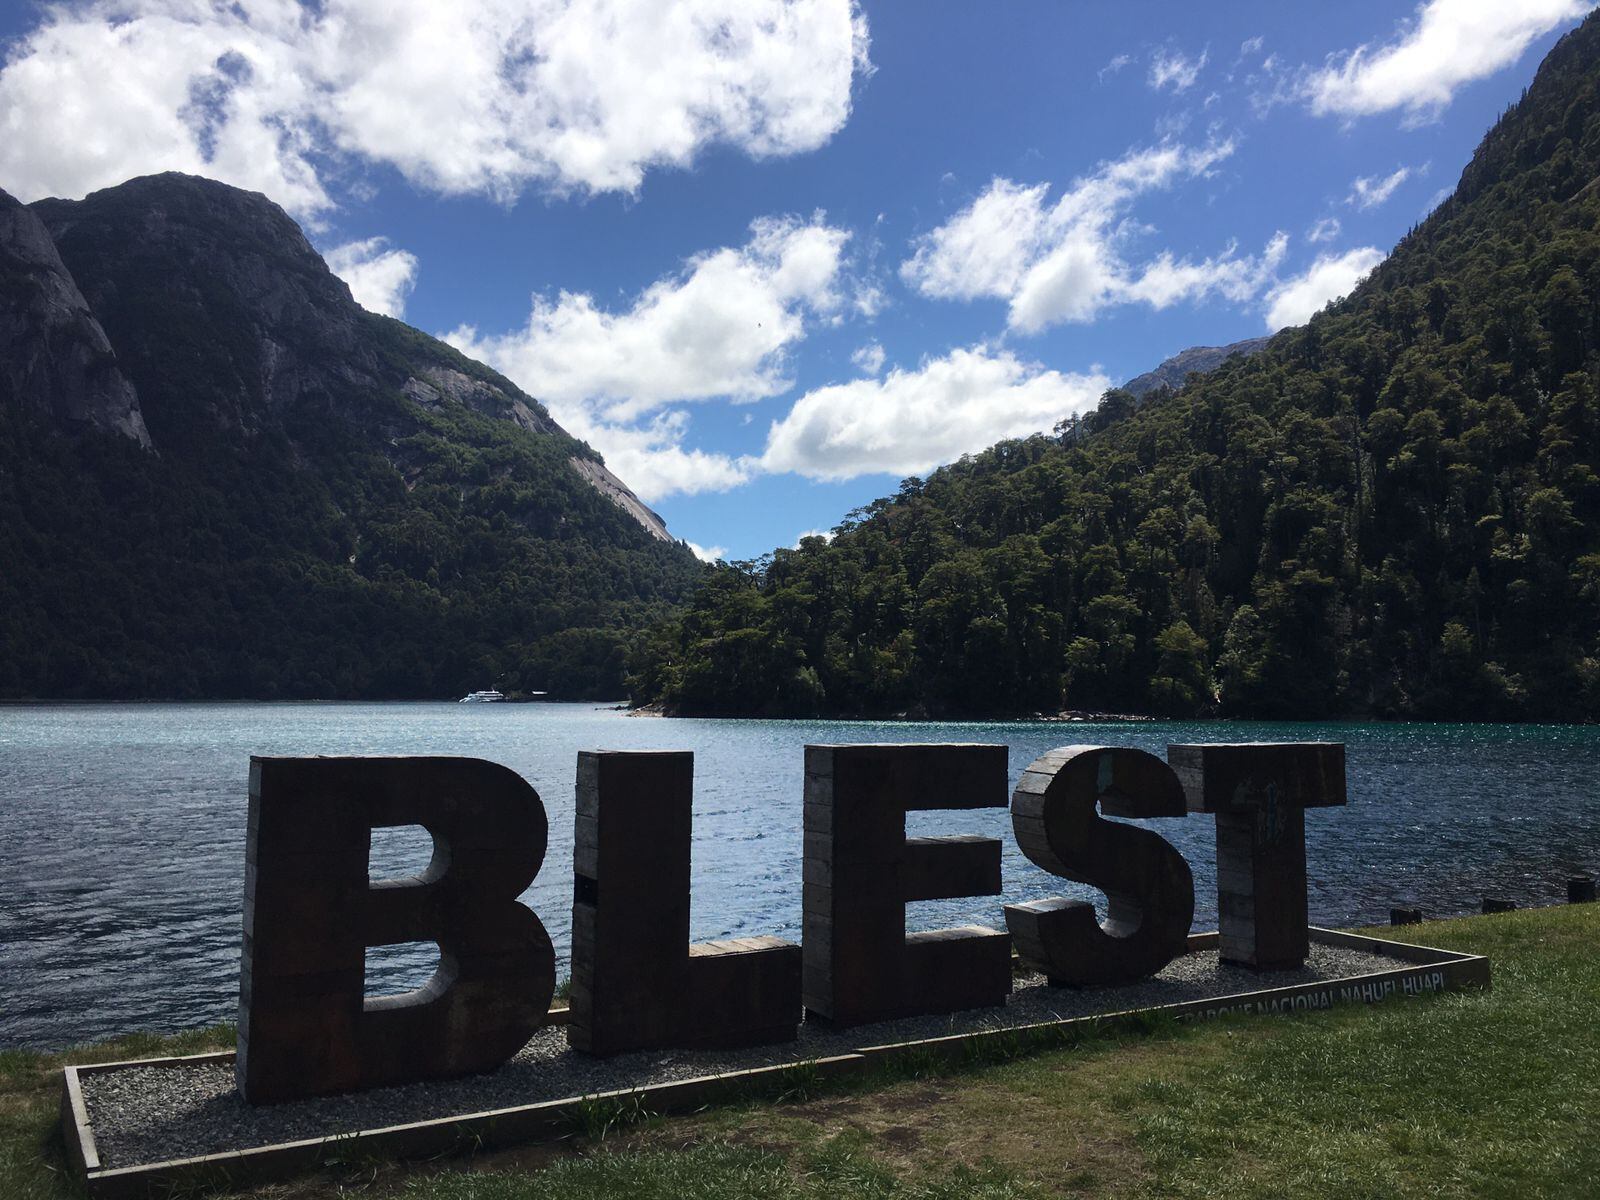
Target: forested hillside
(219, 477)
(1391, 510)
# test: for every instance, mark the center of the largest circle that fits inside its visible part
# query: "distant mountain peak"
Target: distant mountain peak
(194, 280)
(1196, 360)
(337, 504)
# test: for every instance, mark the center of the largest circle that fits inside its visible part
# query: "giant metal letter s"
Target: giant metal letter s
(1148, 886)
(860, 870)
(305, 1027)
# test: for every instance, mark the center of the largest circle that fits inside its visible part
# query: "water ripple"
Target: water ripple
(122, 831)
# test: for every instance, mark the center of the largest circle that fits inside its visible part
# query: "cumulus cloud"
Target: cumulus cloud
(102, 92)
(1165, 281)
(1325, 230)
(1447, 44)
(653, 456)
(708, 554)
(722, 327)
(1171, 68)
(1064, 261)
(1331, 277)
(911, 421)
(869, 358)
(985, 249)
(1369, 191)
(476, 96)
(380, 277)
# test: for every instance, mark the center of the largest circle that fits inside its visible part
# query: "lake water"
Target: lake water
(122, 831)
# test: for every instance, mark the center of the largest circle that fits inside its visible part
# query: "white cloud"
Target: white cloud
(708, 554)
(1172, 68)
(1325, 230)
(825, 534)
(1330, 278)
(102, 92)
(720, 328)
(1165, 281)
(869, 358)
(1064, 262)
(652, 457)
(1173, 124)
(380, 278)
(1369, 191)
(911, 421)
(1272, 83)
(475, 96)
(1449, 43)
(985, 249)
(1116, 64)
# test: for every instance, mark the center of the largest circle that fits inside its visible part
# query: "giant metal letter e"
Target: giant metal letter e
(305, 1027)
(860, 870)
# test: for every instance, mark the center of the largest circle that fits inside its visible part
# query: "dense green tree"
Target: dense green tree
(1392, 510)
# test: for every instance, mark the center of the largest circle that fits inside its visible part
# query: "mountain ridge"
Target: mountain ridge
(1195, 360)
(1393, 510)
(343, 505)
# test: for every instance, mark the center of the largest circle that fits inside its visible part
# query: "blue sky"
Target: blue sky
(770, 256)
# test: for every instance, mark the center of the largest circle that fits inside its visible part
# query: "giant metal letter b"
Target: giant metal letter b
(305, 1027)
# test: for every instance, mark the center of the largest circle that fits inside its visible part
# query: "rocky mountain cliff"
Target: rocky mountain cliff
(223, 477)
(55, 359)
(1196, 360)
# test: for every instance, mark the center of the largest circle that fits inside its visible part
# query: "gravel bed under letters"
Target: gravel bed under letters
(143, 1115)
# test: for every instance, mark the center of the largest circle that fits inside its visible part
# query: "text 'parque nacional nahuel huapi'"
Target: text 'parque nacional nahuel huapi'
(310, 913)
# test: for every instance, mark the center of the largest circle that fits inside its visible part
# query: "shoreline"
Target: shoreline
(1064, 717)
(656, 710)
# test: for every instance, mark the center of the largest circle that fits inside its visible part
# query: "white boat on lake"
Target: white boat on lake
(482, 698)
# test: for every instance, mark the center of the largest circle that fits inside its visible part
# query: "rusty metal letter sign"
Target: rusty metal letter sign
(305, 1028)
(637, 983)
(860, 870)
(1259, 793)
(1148, 885)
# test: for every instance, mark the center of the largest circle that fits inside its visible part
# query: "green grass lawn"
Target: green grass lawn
(1469, 1094)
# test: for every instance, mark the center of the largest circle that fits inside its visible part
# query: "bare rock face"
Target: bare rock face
(219, 307)
(336, 503)
(54, 356)
(233, 329)
(201, 311)
(1196, 360)
(620, 494)
(435, 385)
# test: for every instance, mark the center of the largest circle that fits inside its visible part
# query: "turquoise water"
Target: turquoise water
(122, 831)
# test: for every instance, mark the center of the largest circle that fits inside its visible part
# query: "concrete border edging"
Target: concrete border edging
(1424, 970)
